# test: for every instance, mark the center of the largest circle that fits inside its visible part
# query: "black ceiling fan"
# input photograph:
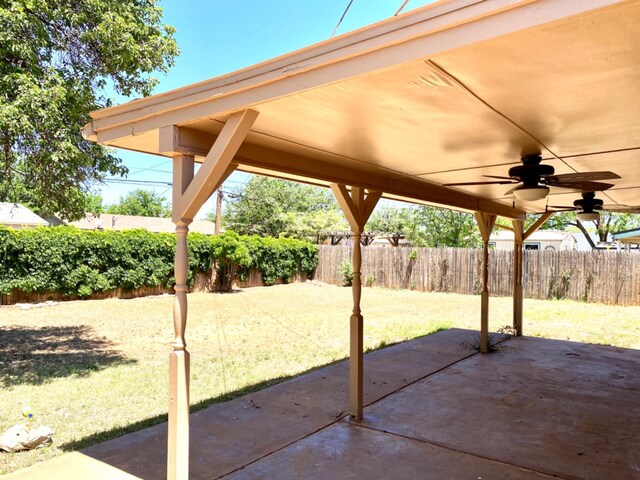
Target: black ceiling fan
(589, 206)
(534, 179)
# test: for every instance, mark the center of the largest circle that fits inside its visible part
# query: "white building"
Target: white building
(539, 240)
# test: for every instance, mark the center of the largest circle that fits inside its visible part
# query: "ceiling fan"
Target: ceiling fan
(536, 178)
(589, 206)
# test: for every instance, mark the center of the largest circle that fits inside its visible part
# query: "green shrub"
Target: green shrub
(79, 263)
(346, 270)
(280, 258)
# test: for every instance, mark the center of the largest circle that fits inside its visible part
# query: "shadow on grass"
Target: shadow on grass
(149, 422)
(35, 355)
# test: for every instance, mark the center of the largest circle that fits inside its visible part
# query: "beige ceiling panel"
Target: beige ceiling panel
(573, 84)
(409, 119)
(624, 196)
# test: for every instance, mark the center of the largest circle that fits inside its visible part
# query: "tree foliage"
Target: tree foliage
(279, 208)
(427, 226)
(57, 61)
(607, 223)
(141, 202)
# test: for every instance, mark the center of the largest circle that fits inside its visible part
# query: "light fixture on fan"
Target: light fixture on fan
(588, 216)
(531, 193)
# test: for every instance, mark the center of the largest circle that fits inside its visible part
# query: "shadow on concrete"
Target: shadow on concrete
(35, 355)
(149, 422)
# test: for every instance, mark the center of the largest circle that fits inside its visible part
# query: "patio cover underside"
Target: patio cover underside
(447, 93)
(434, 410)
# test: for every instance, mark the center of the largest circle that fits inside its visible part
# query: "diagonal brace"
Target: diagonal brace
(216, 167)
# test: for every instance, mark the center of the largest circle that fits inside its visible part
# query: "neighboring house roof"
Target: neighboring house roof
(627, 236)
(17, 215)
(107, 221)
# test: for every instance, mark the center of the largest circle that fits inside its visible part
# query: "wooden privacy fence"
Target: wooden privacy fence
(203, 282)
(596, 276)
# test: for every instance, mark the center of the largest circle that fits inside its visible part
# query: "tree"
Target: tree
(427, 226)
(278, 208)
(57, 60)
(606, 223)
(447, 228)
(93, 203)
(141, 202)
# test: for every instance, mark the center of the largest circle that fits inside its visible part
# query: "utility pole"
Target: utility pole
(218, 210)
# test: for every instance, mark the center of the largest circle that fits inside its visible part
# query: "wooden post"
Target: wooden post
(179, 360)
(518, 234)
(356, 335)
(357, 207)
(485, 224)
(189, 193)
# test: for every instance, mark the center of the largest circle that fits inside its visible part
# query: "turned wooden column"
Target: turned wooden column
(179, 364)
(356, 343)
(357, 206)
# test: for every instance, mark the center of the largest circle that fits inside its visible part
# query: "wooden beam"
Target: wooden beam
(251, 157)
(216, 166)
(543, 218)
(348, 206)
(503, 227)
(357, 205)
(485, 222)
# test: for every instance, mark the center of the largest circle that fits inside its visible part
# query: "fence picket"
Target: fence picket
(595, 276)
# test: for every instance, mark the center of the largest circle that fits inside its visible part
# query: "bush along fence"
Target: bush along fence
(596, 276)
(67, 263)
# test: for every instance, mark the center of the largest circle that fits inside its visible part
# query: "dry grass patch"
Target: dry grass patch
(93, 370)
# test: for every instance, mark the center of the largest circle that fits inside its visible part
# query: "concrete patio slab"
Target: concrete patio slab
(347, 451)
(563, 408)
(227, 436)
(437, 410)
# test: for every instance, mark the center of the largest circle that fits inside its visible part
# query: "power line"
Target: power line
(404, 4)
(137, 182)
(341, 18)
(164, 162)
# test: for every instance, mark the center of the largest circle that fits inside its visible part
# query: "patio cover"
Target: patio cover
(445, 93)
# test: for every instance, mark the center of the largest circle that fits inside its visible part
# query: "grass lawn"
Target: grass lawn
(93, 370)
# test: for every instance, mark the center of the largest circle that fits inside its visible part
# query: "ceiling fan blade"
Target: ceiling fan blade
(562, 208)
(582, 177)
(582, 186)
(621, 208)
(460, 184)
(501, 178)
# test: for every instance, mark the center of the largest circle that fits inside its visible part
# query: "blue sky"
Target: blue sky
(217, 37)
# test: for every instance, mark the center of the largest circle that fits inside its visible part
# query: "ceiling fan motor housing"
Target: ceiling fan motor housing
(529, 173)
(588, 203)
